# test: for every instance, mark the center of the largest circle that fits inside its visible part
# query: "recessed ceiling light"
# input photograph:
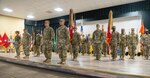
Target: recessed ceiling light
(30, 16)
(7, 10)
(58, 9)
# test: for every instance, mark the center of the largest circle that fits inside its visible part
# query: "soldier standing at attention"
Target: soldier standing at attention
(63, 40)
(47, 44)
(84, 45)
(17, 44)
(26, 43)
(88, 44)
(145, 41)
(122, 44)
(133, 42)
(98, 40)
(76, 40)
(37, 43)
(114, 42)
(105, 46)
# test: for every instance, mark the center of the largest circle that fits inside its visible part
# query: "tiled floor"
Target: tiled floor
(9, 70)
(139, 66)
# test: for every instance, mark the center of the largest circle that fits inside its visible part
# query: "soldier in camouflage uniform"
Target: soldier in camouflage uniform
(63, 40)
(122, 44)
(88, 44)
(114, 43)
(84, 45)
(128, 38)
(133, 42)
(105, 46)
(75, 44)
(48, 36)
(98, 40)
(26, 43)
(145, 41)
(17, 44)
(37, 44)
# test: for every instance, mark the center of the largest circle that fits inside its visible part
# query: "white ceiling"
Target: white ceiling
(38, 8)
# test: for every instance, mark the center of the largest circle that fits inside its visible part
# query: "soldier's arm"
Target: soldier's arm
(56, 35)
(67, 36)
(79, 38)
(118, 38)
(102, 37)
(52, 34)
(93, 36)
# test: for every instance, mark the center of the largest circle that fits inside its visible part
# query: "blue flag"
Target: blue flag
(81, 29)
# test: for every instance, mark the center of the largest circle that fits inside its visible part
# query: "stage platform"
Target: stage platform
(88, 66)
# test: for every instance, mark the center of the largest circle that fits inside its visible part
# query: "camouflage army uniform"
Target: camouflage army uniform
(128, 38)
(98, 41)
(133, 42)
(47, 44)
(122, 45)
(17, 44)
(37, 44)
(145, 40)
(26, 43)
(114, 44)
(88, 44)
(62, 34)
(84, 46)
(75, 44)
(105, 46)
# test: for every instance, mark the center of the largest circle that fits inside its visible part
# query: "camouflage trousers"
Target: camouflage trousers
(36, 49)
(132, 51)
(105, 49)
(88, 48)
(98, 50)
(62, 50)
(84, 48)
(122, 51)
(75, 50)
(47, 49)
(146, 51)
(26, 48)
(114, 51)
(17, 47)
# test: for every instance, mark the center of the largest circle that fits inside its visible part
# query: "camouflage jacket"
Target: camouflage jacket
(48, 34)
(76, 39)
(133, 39)
(62, 34)
(145, 39)
(123, 39)
(115, 39)
(17, 39)
(26, 39)
(98, 37)
(37, 39)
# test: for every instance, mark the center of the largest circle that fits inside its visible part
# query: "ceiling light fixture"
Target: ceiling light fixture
(30, 16)
(58, 9)
(7, 10)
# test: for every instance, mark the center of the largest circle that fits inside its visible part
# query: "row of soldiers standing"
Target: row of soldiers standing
(120, 41)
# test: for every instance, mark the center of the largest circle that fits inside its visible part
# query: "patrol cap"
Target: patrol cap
(132, 29)
(122, 29)
(113, 26)
(62, 20)
(16, 31)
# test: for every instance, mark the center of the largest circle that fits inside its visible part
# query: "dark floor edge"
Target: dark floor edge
(64, 69)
